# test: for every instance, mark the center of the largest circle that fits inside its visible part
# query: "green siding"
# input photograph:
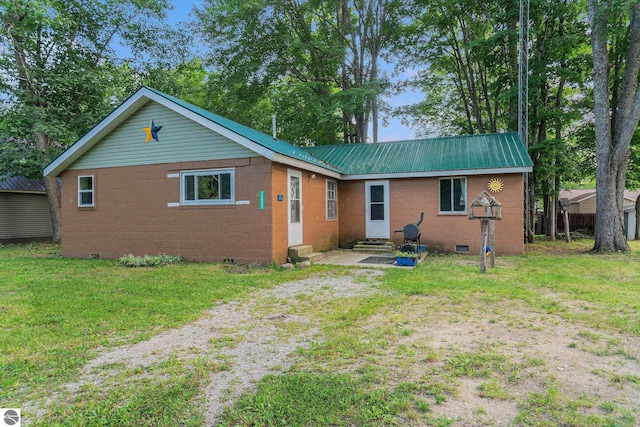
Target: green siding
(180, 140)
(24, 216)
(266, 141)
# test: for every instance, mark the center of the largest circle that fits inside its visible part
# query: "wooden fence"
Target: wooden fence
(582, 222)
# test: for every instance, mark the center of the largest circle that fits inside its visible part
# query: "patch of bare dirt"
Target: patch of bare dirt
(545, 350)
(539, 348)
(251, 340)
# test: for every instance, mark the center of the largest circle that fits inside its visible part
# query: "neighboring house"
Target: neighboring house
(24, 211)
(159, 175)
(583, 201)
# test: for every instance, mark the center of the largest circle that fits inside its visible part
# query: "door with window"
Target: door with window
(377, 205)
(294, 199)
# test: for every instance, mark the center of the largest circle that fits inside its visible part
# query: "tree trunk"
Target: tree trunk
(638, 218)
(55, 208)
(612, 151)
(531, 211)
(52, 189)
(553, 214)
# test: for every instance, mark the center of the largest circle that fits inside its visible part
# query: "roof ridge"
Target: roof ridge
(413, 141)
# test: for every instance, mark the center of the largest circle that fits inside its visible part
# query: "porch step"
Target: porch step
(374, 246)
(312, 257)
(303, 253)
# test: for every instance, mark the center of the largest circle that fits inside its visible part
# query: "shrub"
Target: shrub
(148, 261)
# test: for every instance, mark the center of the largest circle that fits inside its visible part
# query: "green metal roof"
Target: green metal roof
(267, 141)
(472, 154)
(447, 154)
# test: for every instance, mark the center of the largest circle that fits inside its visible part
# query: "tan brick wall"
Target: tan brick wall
(317, 231)
(279, 218)
(442, 232)
(351, 212)
(131, 214)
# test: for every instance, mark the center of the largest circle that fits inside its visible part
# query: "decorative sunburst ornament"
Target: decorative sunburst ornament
(495, 185)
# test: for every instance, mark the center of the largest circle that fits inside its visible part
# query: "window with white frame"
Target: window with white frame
(207, 187)
(453, 195)
(332, 199)
(85, 191)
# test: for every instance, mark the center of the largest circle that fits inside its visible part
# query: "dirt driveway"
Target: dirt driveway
(536, 352)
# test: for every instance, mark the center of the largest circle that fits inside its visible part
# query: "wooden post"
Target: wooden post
(564, 205)
(492, 242)
(487, 209)
(484, 240)
(567, 232)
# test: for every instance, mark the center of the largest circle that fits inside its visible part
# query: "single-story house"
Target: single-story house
(159, 175)
(24, 211)
(583, 201)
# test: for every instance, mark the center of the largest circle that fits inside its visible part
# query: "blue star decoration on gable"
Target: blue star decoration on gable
(152, 132)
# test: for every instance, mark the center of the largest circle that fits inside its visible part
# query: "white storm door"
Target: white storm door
(377, 206)
(294, 199)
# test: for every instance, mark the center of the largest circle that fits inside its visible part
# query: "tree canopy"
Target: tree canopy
(325, 68)
(61, 73)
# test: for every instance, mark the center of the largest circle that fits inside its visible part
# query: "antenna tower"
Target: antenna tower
(523, 105)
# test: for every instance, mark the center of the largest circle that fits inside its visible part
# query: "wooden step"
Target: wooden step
(374, 246)
(303, 253)
(312, 257)
(300, 250)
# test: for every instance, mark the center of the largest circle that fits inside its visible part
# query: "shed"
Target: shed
(24, 211)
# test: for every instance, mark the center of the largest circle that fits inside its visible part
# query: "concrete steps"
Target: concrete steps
(374, 247)
(303, 253)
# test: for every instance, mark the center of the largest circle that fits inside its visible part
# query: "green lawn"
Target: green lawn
(56, 313)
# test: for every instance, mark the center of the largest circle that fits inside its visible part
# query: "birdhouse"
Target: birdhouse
(485, 206)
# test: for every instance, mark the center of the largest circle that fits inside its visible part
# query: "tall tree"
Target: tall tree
(469, 49)
(57, 60)
(324, 53)
(365, 28)
(559, 71)
(616, 113)
(257, 47)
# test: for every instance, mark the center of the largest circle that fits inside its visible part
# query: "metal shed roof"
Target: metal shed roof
(469, 154)
(20, 184)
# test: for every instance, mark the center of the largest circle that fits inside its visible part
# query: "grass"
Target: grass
(372, 368)
(56, 312)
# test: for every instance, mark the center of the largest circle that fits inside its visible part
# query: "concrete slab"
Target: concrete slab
(351, 258)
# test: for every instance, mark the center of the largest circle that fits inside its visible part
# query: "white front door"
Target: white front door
(377, 205)
(294, 199)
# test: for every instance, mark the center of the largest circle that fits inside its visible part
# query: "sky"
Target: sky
(395, 131)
